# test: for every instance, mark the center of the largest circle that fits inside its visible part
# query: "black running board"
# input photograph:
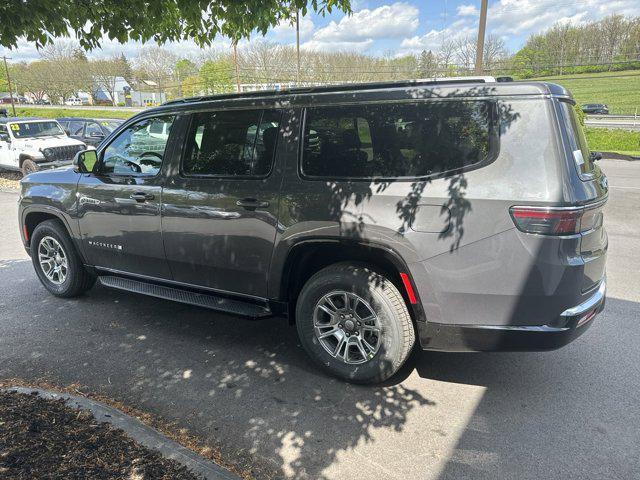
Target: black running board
(213, 302)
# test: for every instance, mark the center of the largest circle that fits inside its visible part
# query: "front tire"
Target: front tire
(354, 323)
(56, 261)
(28, 166)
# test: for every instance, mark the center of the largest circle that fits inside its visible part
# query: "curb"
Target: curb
(139, 432)
(618, 156)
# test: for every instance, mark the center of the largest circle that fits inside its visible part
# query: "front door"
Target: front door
(119, 204)
(220, 209)
(6, 156)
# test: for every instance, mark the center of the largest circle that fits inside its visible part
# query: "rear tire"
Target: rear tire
(57, 262)
(338, 313)
(28, 166)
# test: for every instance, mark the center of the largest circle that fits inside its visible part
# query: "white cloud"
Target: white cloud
(523, 17)
(358, 31)
(286, 32)
(467, 11)
(359, 47)
(433, 39)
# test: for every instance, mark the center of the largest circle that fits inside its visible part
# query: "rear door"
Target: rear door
(220, 209)
(119, 204)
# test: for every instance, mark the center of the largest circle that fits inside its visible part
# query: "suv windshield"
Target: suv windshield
(35, 129)
(577, 140)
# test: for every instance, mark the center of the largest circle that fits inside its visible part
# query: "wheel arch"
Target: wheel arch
(33, 217)
(24, 156)
(309, 256)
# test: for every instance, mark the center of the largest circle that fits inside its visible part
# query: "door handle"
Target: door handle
(141, 196)
(252, 203)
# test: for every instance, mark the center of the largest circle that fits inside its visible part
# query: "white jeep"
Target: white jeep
(31, 144)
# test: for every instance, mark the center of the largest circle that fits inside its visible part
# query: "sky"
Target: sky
(378, 27)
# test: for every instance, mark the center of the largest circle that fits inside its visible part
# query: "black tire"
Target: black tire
(77, 279)
(397, 333)
(28, 166)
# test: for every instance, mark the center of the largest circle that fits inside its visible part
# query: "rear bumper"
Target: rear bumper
(572, 323)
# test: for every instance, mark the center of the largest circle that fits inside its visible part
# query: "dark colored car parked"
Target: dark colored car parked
(466, 216)
(88, 130)
(595, 108)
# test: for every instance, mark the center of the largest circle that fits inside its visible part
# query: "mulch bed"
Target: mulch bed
(10, 180)
(41, 438)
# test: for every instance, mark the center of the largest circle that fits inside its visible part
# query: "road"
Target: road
(248, 389)
(625, 122)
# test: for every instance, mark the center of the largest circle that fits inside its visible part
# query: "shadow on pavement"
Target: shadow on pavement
(247, 389)
(561, 414)
(229, 381)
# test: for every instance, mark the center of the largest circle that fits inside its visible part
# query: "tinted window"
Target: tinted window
(93, 129)
(232, 143)
(75, 128)
(577, 140)
(136, 152)
(395, 140)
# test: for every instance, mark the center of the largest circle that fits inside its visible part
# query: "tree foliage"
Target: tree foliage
(612, 43)
(143, 20)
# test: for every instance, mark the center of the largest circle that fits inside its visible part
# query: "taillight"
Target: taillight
(557, 221)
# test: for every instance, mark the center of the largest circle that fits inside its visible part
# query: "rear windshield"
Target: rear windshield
(577, 141)
(395, 140)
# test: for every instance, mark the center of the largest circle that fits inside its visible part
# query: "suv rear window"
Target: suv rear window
(577, 141)
(395, 140)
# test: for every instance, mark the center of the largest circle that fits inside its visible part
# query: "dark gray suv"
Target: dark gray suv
(464, 215)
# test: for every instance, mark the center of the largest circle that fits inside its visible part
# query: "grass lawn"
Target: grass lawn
(618, 141)
(70, 112)
(619, 90)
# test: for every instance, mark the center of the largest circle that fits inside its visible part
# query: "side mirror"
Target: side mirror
(4, 137)
(595, 156)
(85, 161)
(67, 131)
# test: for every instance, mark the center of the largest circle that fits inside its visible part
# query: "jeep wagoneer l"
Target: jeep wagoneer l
(461, 215)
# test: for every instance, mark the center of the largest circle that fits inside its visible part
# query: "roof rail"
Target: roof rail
(335, 88)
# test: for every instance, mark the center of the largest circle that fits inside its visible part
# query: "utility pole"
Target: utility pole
(235, 61)
(480, 43)
(6, 69)
(298, 45)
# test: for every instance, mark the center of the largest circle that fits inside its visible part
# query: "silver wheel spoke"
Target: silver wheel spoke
(329, 333)
(358, 343)
(53, 260)
(353, 334)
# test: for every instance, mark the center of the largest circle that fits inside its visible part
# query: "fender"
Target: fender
(57, 213)
(282, 265)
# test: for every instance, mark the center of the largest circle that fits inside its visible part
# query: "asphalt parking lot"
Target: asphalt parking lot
(248, 389)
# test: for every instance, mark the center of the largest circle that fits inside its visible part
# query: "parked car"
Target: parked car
(595, 108)
(42, 101)
(89, 130)
(73, 101)
(464, 216)
(31, 144)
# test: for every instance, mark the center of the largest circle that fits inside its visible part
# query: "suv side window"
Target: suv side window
(92, 128)
(134, 151)
(232, 143)
(75, 127)
(396, 140)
